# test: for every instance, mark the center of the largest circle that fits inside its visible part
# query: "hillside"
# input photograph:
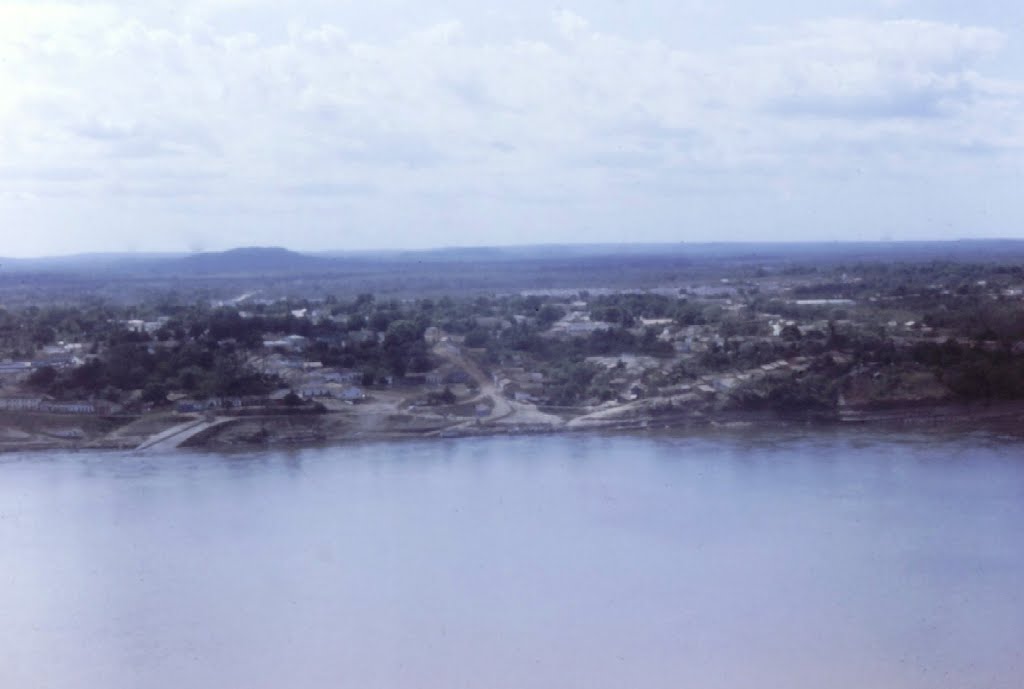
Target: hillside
(246, 260)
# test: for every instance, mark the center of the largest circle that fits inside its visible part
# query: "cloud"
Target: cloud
(331, 189)
(859, 69)
(570, 25)
(312, 109)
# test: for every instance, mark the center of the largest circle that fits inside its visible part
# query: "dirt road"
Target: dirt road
(174, 436)
(504, 411)
(453, 355)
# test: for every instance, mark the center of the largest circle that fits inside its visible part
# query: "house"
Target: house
(580, 324)
(448, 375)
(8, 367)
(725, 384)
(344, 376)
(349, 377)
(60, 360)
(292, 343)
(20, 403)
(824, 302)
(314, 390)
(68, 407)
(432, 335)
(278, 365)
(352, 394)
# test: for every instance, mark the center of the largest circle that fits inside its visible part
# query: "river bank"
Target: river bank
(163, 432)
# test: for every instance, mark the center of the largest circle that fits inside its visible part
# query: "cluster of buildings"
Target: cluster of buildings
(311, 379)
(45, 404)
(60, 356)
(520, 384)
(145, 327)
(578, 322)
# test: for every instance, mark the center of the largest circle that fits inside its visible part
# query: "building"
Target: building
(20, 403)
(292, 343)
(68, 407)
(15, 367)
(344, 377)
(312, 391)
(278, 366)
(62, 360)
(349, 377)
(580, 326)
(352, 394)
(725, 384)
(433, 335)
(448, 375)
(186, 406)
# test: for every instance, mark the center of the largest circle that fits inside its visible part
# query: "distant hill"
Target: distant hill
(247, 260)
(256, 261)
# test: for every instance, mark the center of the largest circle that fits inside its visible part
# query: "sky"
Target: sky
(152, 125)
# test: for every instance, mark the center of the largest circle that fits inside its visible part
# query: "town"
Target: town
(842, 343)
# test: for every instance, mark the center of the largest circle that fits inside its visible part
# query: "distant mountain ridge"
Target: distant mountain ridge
(253, 259)
(256, 260)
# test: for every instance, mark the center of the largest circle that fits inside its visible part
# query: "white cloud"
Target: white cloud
(569, 24)
(859, 69)
(171, 108)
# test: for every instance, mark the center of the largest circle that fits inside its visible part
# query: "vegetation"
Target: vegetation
(958, 324)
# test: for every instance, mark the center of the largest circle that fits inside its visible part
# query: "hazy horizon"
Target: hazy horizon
(211, 124)
(896, 243)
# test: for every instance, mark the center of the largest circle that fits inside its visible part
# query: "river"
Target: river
(840, 559)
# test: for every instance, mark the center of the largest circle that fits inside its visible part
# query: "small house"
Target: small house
(352, 394)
